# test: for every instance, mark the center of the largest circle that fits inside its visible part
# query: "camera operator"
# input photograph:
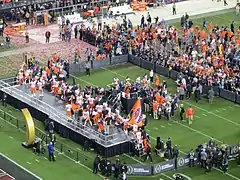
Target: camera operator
(117, 168)
(109, 168)
(103, 164)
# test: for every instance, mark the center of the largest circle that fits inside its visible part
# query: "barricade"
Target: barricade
(163, 167)
(100, 63)
(205, 89)
(216, 90)
(119, 59)
(135, 60)
(227, 95)
(238, 98)
(184, 161)
(173, 74)
(139, 170)
(74, 68)
(147, 65)
(161, 70)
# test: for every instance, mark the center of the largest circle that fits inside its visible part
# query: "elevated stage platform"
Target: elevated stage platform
(117, 142)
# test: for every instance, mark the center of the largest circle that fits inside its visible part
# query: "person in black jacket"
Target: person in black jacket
(95, 164)
(182, 111)
(148, 154)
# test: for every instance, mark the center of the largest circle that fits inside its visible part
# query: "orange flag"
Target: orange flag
(136, 117)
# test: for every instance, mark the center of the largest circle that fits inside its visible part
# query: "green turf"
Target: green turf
(219, 120)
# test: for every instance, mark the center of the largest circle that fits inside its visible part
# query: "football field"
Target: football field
(220, 120)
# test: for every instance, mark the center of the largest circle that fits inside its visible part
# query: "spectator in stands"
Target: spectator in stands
(8, 43)
(48, 35)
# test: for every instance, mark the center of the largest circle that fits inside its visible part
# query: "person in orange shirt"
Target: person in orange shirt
(155, 110)
(189, 114)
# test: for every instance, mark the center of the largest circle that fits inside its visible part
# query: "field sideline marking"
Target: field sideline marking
(233, 122)
(145, 164)
(182, 125)
(6, 174)
(20, 166)
(228, 120)
(44, 158)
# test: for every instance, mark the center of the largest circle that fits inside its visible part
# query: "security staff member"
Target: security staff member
(95, 164)
(169, 147)
(191, 158)
(88, 66)
(182, 111)
(175, 155)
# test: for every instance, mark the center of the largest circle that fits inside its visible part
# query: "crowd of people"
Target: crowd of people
(209, 52)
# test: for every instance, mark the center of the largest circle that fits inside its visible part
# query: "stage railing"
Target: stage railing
(56, 115)
(75, 154)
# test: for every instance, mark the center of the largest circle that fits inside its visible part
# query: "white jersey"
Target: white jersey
(68, 107)
(33, 84)
(20, 76)
(109, 110)
(85, 114)
(87, 96)
(151, 73)
(40, 85)
(79, 100)
(99, 108)
(91, 100)
(138, 80)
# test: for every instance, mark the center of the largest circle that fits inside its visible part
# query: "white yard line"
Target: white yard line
(228, 120)
(113, 72)
(82, 80)
(5, 173)
(199, 132)
(45, 157)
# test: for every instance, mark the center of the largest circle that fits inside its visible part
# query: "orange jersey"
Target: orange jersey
(190, 112)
